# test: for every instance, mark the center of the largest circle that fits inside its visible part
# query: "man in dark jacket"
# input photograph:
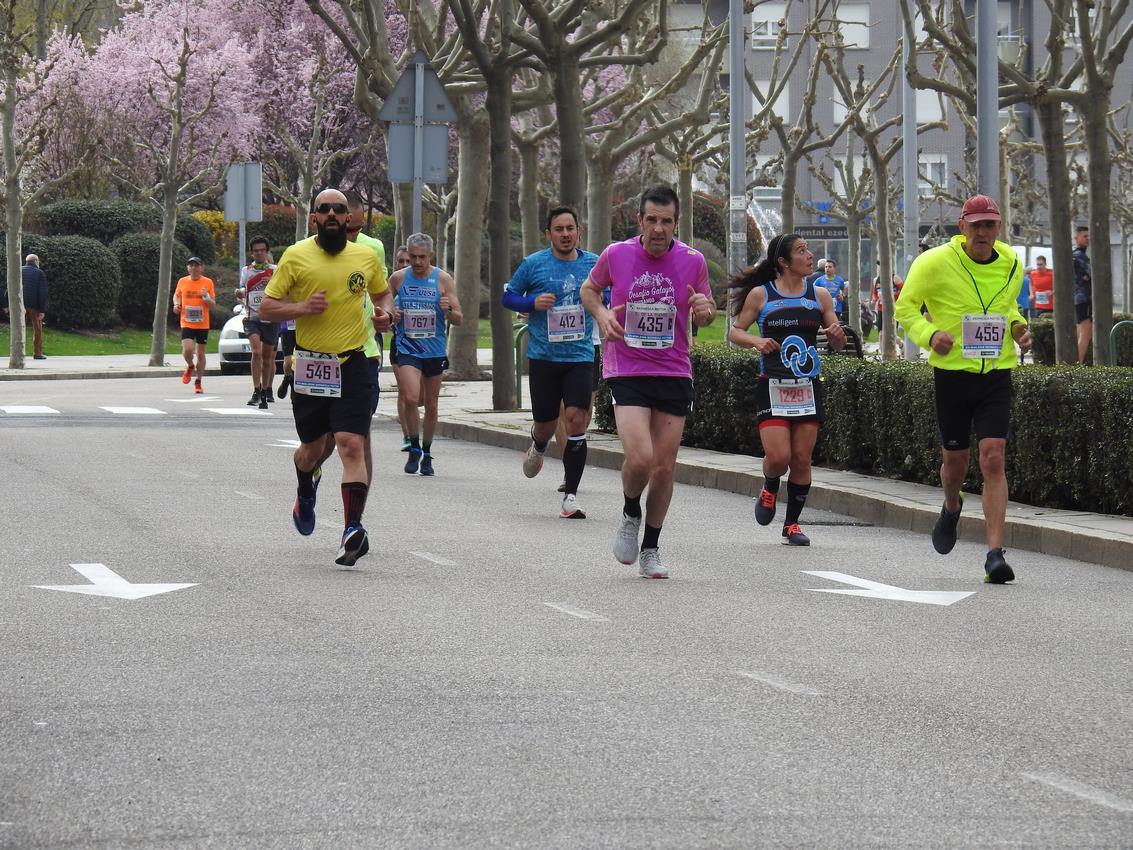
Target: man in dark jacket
(35, 300)
(1083, 292)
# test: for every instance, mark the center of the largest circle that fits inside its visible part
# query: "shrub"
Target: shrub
(83, 280)
(278, 227)
(101, 220)
(1042, 334)
(384, 228)
(224, 233)
(193, 234)
(138, 257)
(1071, 442)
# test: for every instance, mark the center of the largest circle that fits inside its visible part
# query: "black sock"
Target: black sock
(539, 447)
(415, 442)
(649, 539)
(796, 500)
(771, 485)
(574, 461)
(354, 501)
(633, 506)
(426, 445)
(306, 482)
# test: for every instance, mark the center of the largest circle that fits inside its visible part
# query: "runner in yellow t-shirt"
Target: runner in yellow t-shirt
(194, 295)
(321, 284)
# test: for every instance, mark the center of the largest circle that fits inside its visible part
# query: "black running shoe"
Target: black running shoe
(996, 568)
(414, 462)
(283, 386)
(263, 401)
(266, 394)
(255, 399)
(944, 532)
(355, 544)
(427, 464)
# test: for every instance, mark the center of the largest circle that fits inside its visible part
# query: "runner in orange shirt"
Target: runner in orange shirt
(194, 295)
(1042, 287)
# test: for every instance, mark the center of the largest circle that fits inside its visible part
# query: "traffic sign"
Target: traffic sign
(244, 192)
(401, 104)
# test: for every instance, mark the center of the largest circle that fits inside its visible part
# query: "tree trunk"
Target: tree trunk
(1051, 126)
(853, 289)
(599, 202)
(1101, 253)
(530, 224)
(472, 193)
(790, 182)
(565, 78)
(1127, 261)
(498, 103)
(164, 276)
(685, 166)
(884, 251)
(14, 212)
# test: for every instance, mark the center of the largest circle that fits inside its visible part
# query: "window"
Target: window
(838, 110)
(765, 25)
(782, 105)
(933, 173)
(855, 25)
(929, 106)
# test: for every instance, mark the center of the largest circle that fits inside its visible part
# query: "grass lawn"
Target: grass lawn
(58, 343)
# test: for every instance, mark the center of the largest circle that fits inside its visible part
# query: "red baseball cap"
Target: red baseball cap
(980, 208)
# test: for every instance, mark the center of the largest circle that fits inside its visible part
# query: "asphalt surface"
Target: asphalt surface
(489, 677)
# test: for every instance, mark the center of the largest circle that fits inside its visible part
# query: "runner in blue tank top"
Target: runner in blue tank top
(560, 348)
(425, 300)
(789, 313)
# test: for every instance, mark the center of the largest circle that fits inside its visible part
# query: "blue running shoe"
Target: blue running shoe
(303, 514)
(355, 544)
(427, 464)
(414, 462)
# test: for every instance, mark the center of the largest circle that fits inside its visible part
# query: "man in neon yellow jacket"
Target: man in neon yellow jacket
(970, 289)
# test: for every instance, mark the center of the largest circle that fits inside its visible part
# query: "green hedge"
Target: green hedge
(138, 257)
(107, 221)
(83, 280)
(277, 226)
(1042, 333)
(1071, 444)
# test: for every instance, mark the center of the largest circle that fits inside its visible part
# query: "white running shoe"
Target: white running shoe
(625, 541)
(532, 461)
(571, 509)
(651, 566)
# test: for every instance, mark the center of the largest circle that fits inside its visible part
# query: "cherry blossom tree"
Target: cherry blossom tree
(176, 83)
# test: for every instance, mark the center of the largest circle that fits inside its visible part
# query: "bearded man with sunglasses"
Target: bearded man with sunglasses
(321, 283)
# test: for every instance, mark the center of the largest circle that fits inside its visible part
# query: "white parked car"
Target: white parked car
(235, 350)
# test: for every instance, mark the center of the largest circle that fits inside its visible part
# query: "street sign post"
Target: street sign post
(419, 114)
(244, 198)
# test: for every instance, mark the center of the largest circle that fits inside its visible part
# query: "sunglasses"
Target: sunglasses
(323, 209)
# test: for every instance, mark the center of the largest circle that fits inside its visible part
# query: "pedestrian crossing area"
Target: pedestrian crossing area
(214, 406)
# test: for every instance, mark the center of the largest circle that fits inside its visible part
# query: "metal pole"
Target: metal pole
(909, 173)
(418, 144)
(241, 234)
(737, 150)
(987, 96)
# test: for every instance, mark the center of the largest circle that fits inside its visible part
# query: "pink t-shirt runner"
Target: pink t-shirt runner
(636, 277)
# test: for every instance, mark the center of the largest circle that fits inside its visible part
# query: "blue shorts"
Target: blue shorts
(429, 367)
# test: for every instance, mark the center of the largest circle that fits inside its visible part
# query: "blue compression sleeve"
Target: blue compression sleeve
(518, 303)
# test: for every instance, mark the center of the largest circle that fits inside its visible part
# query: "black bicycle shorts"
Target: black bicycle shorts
(1084, 312)
(552, 382)
(964, 399)
(675, 396)
(316, 416)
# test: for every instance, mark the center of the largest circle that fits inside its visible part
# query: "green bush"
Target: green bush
(138, 257)
(83, 280)
(195, 235)
(106, 221)
(278, 227)
(1042, 335)
(1071, 443)
(384, 229)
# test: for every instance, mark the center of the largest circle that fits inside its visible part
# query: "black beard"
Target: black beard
(331, 241)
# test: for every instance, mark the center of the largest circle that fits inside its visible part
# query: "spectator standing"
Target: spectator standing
(1083, 292)
(35, 300)
(1042, 288)
(836, 286)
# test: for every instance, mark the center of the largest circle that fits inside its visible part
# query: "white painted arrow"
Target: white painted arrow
(106, 582)
(877, 590)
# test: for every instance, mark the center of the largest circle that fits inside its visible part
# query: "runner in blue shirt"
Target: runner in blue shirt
(836, 286)
(560, 347)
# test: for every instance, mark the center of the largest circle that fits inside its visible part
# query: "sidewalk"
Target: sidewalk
(466, 414)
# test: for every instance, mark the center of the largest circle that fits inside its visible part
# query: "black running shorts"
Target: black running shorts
(288, 337)
(1084, 312)
(268, 332)
(674, 396)
(429, 367)
(198, 335)
(316, 416)
(964, 399)
(553, 381)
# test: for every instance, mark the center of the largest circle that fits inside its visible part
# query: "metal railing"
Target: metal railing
(520, 329)
(1113, 340)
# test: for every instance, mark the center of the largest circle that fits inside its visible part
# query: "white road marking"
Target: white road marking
(144, 411)
(106, 582)
(436, 559)
(27, 408)
(877, 590)
(1081, 789)
(581, 613)
(237, 411)
(249, 495)
(778, 684)
(195, 399)
(284, 444)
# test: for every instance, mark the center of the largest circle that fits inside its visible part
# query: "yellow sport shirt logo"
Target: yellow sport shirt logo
(356, 282)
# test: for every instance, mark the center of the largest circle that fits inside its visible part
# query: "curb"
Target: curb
(147, 372)
(1032, 529)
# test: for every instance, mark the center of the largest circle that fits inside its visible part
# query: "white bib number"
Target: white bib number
(419, 323)
(1042, 299)
(194, 314)
(317, 374)
(983, 335)
(650, 325)
(255, 296)
(792, 397)
(566, 323)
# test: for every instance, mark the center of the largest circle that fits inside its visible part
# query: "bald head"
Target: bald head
(329, 215)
